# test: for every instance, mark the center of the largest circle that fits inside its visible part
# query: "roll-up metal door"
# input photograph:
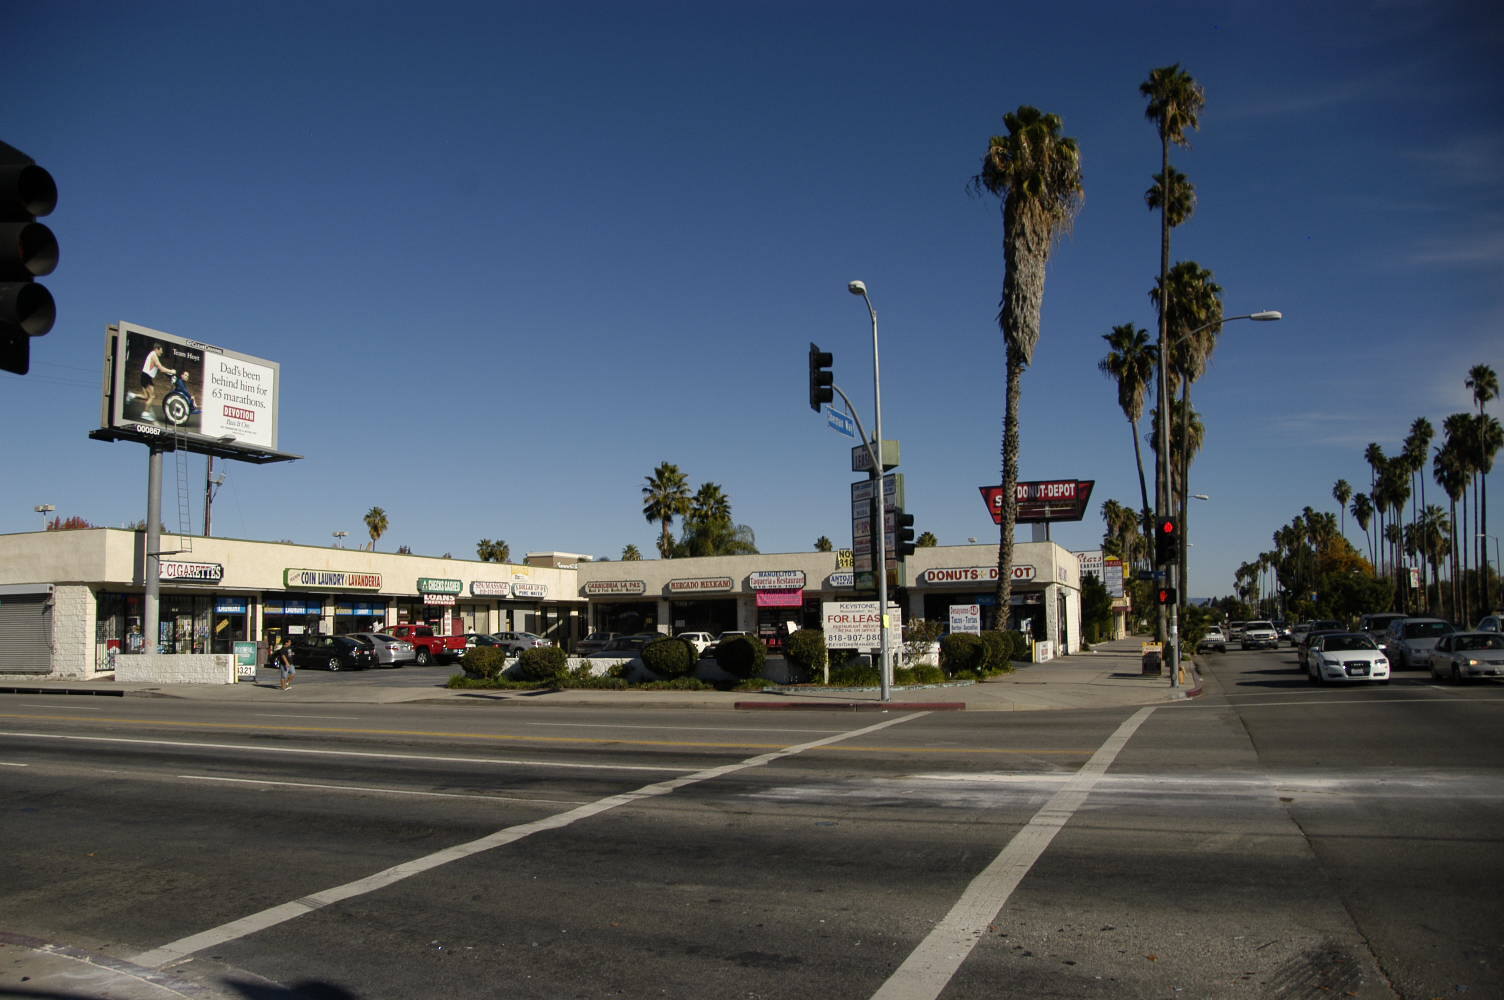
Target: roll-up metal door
(25, 633)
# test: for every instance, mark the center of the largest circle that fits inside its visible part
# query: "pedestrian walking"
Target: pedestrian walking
(283, 659)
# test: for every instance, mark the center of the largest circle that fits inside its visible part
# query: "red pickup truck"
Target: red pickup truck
(428, 647)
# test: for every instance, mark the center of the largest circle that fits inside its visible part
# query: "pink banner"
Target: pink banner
(780, 598)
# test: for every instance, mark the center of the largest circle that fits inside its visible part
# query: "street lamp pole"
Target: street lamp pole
(1171, 655)
(880, 547)
(44, 509)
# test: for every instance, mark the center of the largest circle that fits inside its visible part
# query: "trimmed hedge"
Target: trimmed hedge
(543, 664)
(998, 647)
(806, 651)
(669, 657)
(742, 656)
(961, 652)
(485, 662)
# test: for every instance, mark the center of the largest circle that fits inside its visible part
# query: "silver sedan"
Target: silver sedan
(1463, 656)
(390, 651)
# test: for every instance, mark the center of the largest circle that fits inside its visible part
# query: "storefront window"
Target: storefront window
(184, 620)
(358, 616)
(231, 623)
(292, 614)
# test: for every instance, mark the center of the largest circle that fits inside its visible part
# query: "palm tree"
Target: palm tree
(1181, 201)
(1416, 447)
(1484, 383)
(629, 553)
(666, 496)
(1433, 538)
(823, 544)
(1374, 456)
(376, 524)
(498, 551)
(1342, 493)
(1463, 458)
(926, 540)
(1036, 172)
(1130, 362)
(1362, 511)
(1195, 311)
(1450, 474)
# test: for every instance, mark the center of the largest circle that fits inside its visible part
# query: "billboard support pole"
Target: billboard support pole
(152, 567)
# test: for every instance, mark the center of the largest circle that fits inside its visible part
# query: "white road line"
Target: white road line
(931, 966)
(70, 708)
(6, 763)
(377, 791)
(677, 729)
(348, 753)
(276, 715)
(183, 947)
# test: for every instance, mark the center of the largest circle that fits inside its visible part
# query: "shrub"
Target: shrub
(485, 662)
(742, 656)
(855, 671)
(806, 652)
(669, 657)
(998, 651)
(543, 664)
(924, 673)
(961, 652)
(919, 636)
(1023, 649)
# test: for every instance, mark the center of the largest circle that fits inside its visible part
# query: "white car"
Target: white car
(1214, 639)
(1346, 656)
(700, 640)
(1259, 635)
(1409, 641)
(516, 642)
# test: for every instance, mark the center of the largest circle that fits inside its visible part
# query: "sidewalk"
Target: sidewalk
(1108, 676)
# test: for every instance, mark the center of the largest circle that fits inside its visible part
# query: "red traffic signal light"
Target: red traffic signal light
(1164, 595)
(1166, 541)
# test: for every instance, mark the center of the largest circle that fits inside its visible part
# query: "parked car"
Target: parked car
(1259, 635)
(1213, 640)
(473, 639)
(1345, 656)
(1463, 656)
(389, 650)
(700, 640)
(516, 642)
(332, 652)
(1409, 641)
(1491, 623)
(428, 645)
(593, 642)
(624, 647)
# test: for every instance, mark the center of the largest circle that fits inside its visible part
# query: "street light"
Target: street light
(44, 509)
(339, 537)
(880, 553)
(1162, 476)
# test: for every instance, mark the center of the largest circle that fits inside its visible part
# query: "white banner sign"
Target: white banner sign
(966, 618)
(856, 625)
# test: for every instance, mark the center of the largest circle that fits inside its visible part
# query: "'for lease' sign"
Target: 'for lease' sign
(857, 625)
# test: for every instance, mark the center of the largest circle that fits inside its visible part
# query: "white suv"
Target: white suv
(700, 640)
(1260, 635)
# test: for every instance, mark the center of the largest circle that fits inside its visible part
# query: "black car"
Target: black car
(332, 652)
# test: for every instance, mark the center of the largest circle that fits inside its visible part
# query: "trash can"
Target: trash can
(1151, 663)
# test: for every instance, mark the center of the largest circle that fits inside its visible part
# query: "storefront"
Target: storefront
(702, 604)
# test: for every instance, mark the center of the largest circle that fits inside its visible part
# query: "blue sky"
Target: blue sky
(513, 256)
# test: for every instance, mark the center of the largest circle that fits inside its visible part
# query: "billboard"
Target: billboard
(157, 383)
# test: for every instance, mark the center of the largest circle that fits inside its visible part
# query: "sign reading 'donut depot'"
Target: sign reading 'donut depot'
(615, 588)
(190, 572)
(776, 579)
(1042, 500)
(490, 588)
(972, 574)
(701, 585)
(330, 579)
(439, 585)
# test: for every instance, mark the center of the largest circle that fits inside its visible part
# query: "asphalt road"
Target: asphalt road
(1269, 839)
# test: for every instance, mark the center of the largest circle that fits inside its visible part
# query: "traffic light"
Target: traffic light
(1166, 541)
(903, 531)
(28, 251)
(1165, 596)
(820, 377)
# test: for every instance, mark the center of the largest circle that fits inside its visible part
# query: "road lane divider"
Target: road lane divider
(181, 949)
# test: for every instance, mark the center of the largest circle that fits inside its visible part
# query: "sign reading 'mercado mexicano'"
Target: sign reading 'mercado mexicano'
(330, 578)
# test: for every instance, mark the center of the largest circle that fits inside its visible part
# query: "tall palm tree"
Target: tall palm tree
(1342, 492)
(1374, 456)
(1450, 474)
(1174, 105)
(1484, 384)
(1194, 309)
(376, 524)
(630, 553)
(665, 497)
(1416, 448)
(1463, 458)
(1130, 362)
(1036, 172)
(1181, 200)
(823, 544)
(1433, 538)
(1362, 511)
(1489, 436)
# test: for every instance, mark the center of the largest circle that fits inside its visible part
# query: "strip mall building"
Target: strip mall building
(72, 601)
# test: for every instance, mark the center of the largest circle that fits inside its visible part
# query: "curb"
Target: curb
(855, 706)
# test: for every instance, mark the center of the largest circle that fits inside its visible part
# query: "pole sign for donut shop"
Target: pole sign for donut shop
(1043, 500)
